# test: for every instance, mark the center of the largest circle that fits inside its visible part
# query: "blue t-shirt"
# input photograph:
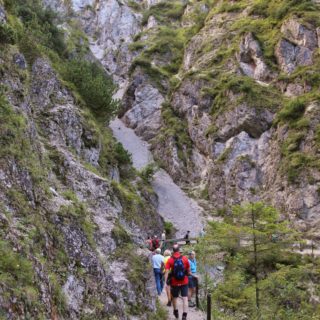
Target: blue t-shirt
(156, 261)
(193, 266)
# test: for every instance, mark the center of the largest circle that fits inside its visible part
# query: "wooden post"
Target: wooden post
(197, 292)
(209, 306)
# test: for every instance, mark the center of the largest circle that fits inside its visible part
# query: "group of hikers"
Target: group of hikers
(177, 274)
(154, 243)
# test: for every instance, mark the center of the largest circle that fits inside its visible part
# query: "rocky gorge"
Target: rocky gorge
(226, 93)
(179, 65)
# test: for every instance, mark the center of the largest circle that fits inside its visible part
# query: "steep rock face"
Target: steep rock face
(297, 48)
(111, 26)
(143, 102)
(239, 148)
(251, 59)
(2, 14)
(219, 130)
(59, 214)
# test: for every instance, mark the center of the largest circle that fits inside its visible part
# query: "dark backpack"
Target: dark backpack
(155, 243)
(179, 271)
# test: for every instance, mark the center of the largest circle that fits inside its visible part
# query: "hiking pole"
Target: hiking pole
(209, 306)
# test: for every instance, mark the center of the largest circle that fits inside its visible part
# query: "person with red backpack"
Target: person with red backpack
(155, 243)
(180, 270)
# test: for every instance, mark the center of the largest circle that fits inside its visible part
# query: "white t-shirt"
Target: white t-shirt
(157, 259)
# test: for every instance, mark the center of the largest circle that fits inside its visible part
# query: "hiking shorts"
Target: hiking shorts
(192, 282)
(183, 290)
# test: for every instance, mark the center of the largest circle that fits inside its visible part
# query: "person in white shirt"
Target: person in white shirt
(158, 264)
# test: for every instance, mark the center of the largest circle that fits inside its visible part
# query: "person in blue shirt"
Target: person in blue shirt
(193, 278)
(158, 264)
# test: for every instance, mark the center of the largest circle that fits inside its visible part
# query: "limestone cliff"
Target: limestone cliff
(73, 212)
(227, 92)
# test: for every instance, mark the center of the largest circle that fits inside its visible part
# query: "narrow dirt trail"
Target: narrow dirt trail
(174, 205)
(193, 313)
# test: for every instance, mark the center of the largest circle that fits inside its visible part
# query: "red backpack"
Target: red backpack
(155, 243)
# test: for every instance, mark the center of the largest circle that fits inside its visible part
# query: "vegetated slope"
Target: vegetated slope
(240, 85)
(73, 211)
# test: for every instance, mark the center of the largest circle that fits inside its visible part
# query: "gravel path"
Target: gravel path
(193, 313)
(174, 205)
(139, 149)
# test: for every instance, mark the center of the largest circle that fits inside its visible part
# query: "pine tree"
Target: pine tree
(264, 277)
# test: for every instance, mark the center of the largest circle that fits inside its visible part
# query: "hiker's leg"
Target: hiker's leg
(168, 291)
(184, 295)
(175, 303)
(175, 295)
(157, 275)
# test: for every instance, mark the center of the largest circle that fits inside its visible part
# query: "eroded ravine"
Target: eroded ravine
(174, 205)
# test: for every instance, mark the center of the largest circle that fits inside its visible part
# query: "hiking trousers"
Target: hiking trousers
(158, 277)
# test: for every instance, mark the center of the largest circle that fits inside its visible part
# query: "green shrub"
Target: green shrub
(169, 229)
(293, 141)
(295, 164)
(94, 86)
(122, 156)
(278, 10)
(165, 11)
(177, 128)
(227, 7)
(7, 34)
(39, 22)
(293, 110)
(14, 267)
(248, 91)
(148, 172)
(29, 49)
(120, 235)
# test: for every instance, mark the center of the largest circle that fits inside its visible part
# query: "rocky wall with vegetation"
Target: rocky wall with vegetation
(240, 89)
(73, 212)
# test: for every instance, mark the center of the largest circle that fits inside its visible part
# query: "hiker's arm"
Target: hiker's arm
(166, 276)
(188, 269)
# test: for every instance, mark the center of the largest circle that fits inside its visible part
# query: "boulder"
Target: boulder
(20, 61)
(143, 104)
(251, 59)
(243, 118)
(3, 16)
(300, 35)
(297, 46)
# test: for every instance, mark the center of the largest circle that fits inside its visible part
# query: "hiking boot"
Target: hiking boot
(169, 304)
(176, 313)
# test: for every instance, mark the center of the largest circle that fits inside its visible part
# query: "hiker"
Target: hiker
(202, 233)
(167, 255)
(158, 265)
(155, 243)
(187, 237)
(193, 278)
(149, 243)
(162, 242)
(180, 269)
